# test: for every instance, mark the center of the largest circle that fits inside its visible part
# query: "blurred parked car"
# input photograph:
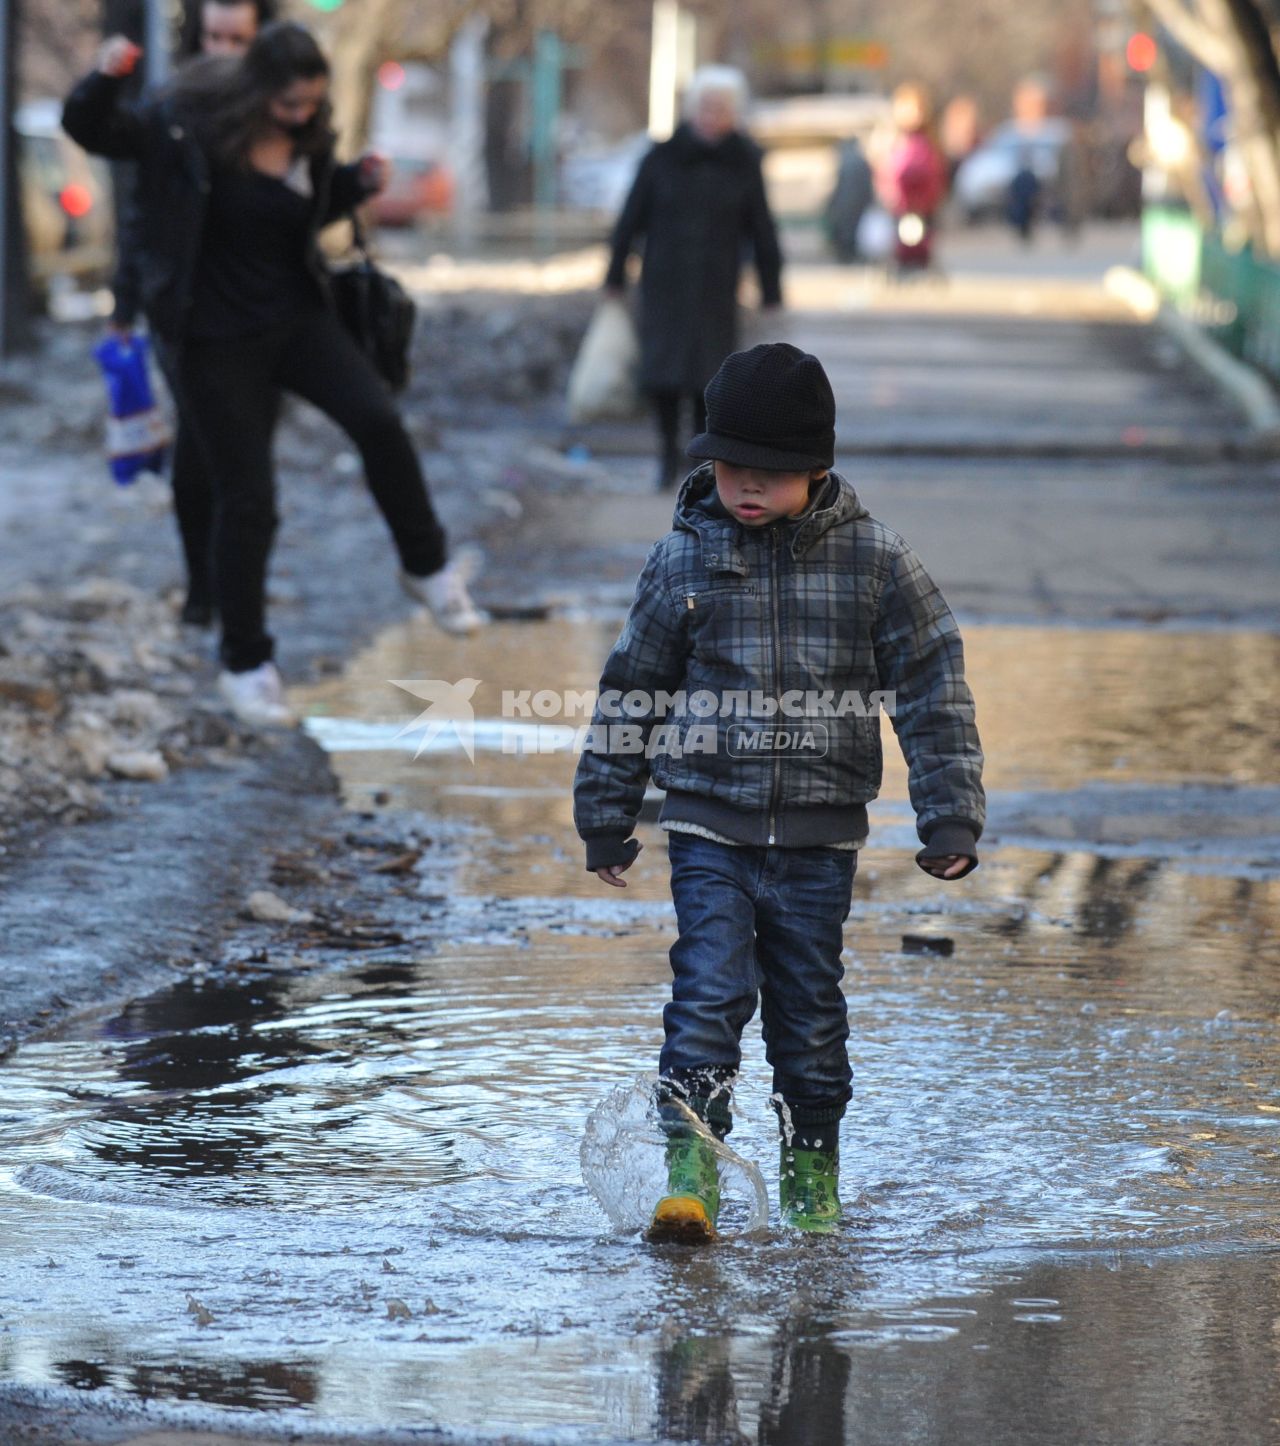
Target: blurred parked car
(981, 186)
(66, 199)
(418, 189)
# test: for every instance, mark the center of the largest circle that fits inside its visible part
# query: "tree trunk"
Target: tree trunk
(1255, 98)
(362, 36)
(16, 305)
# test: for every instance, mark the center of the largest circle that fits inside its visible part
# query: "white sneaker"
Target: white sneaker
(445, 594)
(257, 697)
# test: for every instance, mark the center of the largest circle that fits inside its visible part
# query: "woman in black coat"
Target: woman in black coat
(236, 179)
(699, 202)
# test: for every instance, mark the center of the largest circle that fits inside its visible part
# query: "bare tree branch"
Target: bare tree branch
(1193, 34)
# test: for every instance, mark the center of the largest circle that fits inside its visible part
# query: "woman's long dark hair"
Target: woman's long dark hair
(228, 99)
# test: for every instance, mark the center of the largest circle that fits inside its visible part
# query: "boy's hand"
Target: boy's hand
(946, 866)
(613, 874)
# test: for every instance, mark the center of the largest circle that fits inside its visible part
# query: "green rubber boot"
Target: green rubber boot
(687, 1213)
(808, 1186)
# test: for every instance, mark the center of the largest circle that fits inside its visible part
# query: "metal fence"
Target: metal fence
(1231, 293)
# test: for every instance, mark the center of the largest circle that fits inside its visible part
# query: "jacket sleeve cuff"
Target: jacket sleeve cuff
(951, 836)
(606, 851)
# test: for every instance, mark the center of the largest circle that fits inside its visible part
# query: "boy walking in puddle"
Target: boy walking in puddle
(765, 626)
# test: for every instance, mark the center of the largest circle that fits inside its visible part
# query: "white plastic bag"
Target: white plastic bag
(602, 384)
(876, 233)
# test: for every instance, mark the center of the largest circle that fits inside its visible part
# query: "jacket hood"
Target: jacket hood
(699, 510)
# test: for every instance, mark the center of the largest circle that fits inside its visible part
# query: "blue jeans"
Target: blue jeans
(764, 922)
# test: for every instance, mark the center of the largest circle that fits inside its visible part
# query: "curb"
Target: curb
(1247, 388)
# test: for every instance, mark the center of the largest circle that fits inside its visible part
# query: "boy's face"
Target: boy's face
(757, 496)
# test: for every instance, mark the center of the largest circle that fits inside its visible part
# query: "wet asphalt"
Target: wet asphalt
(331, 1182)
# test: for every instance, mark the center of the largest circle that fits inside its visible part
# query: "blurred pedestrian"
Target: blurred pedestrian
(1023, 201)
(854, 192)
(1072, 183)
(220, 28)
(699, 202)
(236, 179)
(912, 178)
(959, 133)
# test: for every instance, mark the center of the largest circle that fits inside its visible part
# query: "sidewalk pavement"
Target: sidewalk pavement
(1051, 457)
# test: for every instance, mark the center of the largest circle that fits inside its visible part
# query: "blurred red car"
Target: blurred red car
(66, 199)
(417, 189)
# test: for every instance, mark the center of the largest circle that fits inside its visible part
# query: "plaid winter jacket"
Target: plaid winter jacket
(745, 677)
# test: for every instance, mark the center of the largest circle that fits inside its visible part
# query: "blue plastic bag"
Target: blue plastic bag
(137, 435)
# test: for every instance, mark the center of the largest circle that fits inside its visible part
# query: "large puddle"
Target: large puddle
(356, 1195)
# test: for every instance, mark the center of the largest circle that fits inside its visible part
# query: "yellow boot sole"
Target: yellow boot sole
(680, 1220)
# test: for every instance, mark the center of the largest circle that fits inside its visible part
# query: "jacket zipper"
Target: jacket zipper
(774, 607)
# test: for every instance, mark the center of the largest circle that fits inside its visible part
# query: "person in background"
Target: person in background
(1022, 205)
(698, 201)
(237, 177)
(1071, 184)
(215, 28)
(854, 192)
(959, 132)
(912, 178)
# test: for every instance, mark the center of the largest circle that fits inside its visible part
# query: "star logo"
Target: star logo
(449, 706)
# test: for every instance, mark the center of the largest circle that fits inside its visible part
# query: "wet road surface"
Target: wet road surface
(352, 1199)
(355, 1196)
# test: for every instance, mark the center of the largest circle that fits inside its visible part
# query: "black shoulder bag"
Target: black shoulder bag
(377, 311)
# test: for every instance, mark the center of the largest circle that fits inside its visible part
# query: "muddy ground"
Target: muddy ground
(135, 817)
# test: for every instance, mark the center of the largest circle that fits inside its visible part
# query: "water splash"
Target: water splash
(624, 1164)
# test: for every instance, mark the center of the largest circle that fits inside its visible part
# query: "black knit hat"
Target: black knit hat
(769, 407)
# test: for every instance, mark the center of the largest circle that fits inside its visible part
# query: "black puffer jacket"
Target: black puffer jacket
(173, 190)
(698, 208)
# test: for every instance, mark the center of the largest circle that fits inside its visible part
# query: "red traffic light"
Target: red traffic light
(1140, 52)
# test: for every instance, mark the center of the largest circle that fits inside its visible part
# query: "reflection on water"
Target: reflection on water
(1123, 719)
(1056, 707)
(1060, 1164)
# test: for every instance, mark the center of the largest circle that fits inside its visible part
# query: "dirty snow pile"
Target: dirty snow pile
(481, 350)
(96, 683)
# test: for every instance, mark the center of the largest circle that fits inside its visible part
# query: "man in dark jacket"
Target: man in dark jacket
(698, 201)
(221, 27)
(768, 630)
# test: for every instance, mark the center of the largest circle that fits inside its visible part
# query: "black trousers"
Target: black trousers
(192, 491)
(229, 398)
(666, 412)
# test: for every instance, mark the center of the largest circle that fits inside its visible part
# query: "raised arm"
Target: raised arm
(94, 116)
